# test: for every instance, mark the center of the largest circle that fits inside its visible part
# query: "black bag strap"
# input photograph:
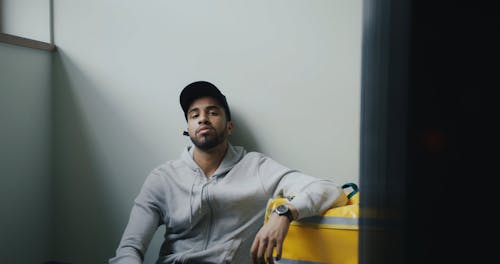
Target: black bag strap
(354, 187)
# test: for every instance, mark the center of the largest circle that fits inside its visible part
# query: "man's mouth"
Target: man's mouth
(204, 130)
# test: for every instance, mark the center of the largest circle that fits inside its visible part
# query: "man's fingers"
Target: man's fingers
(269, 238)
(279, 247)
(253, 251)
(269, 252)
(262, 248)
(258, 249)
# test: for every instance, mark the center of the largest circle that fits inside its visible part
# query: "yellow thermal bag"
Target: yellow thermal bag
(331, 237)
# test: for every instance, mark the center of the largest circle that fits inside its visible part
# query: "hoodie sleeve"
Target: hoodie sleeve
(312, 196)
(145, 218)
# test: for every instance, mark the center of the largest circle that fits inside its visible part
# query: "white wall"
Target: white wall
(26, 18)
(25, 151)
(290, 70)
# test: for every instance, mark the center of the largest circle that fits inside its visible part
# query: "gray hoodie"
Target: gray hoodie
(214, 220)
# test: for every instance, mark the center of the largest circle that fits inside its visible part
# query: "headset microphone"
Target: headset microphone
(185, 133)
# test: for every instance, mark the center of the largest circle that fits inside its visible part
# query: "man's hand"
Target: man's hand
(271, 236)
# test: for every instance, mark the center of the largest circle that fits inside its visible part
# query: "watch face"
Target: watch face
(282, 209)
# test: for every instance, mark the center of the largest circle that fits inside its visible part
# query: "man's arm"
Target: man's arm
(145, 218)
(312, 196)
(140, 229)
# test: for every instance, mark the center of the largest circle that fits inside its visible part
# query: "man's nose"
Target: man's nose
(203, 119)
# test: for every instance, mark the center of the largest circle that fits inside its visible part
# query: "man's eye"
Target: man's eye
(194, 116)
(214, 113)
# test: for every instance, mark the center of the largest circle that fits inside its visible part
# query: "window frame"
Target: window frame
(27, 42)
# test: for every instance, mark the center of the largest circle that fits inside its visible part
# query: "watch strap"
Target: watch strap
(289, 215)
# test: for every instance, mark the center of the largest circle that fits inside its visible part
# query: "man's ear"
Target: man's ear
(230, 127)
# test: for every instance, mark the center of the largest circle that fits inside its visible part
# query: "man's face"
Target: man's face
(207, 123)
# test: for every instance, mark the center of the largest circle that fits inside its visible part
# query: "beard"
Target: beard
(208, 142)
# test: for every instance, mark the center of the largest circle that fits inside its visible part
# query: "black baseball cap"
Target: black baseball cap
(200, 89)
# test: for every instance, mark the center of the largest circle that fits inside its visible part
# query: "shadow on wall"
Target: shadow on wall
(242, 133)
(25, 174)
(85, 226)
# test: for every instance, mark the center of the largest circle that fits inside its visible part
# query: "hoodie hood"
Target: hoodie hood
(233, 155)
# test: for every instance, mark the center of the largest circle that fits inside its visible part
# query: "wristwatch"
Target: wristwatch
(284, 210)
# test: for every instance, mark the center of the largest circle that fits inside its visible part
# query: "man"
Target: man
(212, 199)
